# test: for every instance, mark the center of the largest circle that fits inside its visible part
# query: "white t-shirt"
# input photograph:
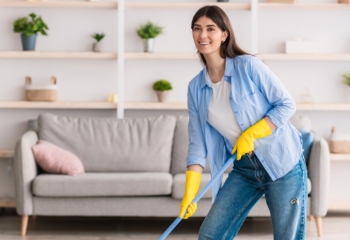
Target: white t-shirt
(220, 113)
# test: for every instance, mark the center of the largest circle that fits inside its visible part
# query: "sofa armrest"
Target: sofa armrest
(25, 170)
(319, 174)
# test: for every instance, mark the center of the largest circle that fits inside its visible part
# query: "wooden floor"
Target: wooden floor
(336, 226)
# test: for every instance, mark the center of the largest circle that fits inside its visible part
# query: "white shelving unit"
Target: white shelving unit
(121, 5)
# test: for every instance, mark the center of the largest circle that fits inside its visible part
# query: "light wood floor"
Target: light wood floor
(336, 226)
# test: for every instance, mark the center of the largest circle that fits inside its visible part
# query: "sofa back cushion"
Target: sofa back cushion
(111, 144)
(180, 147)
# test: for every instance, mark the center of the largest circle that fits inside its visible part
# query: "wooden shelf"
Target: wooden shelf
(303, 56)
(91, 105)
(339, 205)
(156, 105)
(196, 5)
(311, 6)
(155, 5)
(323, 107)
(60, 4)
(56, 55)
(339, 157)
(146, 105)
(7, 153)
(57, 105)
(273, 56)
(7, 203)
(160, 55)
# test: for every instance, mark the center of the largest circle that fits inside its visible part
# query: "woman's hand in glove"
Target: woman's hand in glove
(245, 142)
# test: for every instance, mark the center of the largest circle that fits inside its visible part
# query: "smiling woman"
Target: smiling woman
(237, 104)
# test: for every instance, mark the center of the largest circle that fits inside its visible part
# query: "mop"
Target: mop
(199, 196)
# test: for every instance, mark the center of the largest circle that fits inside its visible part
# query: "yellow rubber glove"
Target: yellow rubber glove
(245, 142)
(193, 180)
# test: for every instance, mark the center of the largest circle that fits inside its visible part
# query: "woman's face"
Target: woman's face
(207, 36)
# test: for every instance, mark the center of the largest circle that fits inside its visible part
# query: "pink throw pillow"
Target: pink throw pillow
(53, 159)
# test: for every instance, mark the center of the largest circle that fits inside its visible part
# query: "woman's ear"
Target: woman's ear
(224, 36)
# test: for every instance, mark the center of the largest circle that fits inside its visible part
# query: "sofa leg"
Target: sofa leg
(319, 226)
(24, 225)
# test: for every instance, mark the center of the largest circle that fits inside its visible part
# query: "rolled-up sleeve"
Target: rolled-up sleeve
(283, 105)
(196, 150)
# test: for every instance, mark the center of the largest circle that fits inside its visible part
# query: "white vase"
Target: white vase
(96, 47)
(348, 94)
(162, 96)
(148, 44)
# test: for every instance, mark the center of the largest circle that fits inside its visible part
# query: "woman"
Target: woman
(237, 104)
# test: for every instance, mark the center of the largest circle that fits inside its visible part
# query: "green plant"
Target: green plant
(347, 79)
(98, 36)
(149, 30)
(30, 27)
(162, 85)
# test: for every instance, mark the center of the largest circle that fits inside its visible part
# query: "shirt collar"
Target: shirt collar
(228, 72)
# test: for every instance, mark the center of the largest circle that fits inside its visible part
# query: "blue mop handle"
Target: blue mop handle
(199, 196)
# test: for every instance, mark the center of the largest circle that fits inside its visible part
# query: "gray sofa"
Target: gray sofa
(133, 167)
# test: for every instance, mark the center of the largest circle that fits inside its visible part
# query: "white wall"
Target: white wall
(93, 80)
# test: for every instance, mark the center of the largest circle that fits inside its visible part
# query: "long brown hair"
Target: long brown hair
(229, 48)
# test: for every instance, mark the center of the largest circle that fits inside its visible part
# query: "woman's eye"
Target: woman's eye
(211, 29)
(195, 29)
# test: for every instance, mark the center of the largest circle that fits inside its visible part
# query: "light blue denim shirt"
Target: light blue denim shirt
(256, 92)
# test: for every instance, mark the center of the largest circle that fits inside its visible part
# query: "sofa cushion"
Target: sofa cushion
(113, 145)
(102, 184)
(53, 159)
(179, 184)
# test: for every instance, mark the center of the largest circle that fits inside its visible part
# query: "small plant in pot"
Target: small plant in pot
(162, 88)
(96, 47)
(147, 33)
(30, 29)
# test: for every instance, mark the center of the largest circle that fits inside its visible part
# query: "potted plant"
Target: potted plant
(29, 30)
(162, 88)
(147, 33)
(96, 47)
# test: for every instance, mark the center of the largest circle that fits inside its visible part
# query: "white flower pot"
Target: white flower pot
(162, 96)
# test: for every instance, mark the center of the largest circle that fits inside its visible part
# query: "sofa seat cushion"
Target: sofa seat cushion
(179, 184)
(102, 184)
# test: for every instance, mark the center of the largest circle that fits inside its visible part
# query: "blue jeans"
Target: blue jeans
(286, 199)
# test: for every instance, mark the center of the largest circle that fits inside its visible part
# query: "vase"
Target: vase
(348, 94)
(28, 43)
(162, 96)
(96, 47)
(148, 44)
